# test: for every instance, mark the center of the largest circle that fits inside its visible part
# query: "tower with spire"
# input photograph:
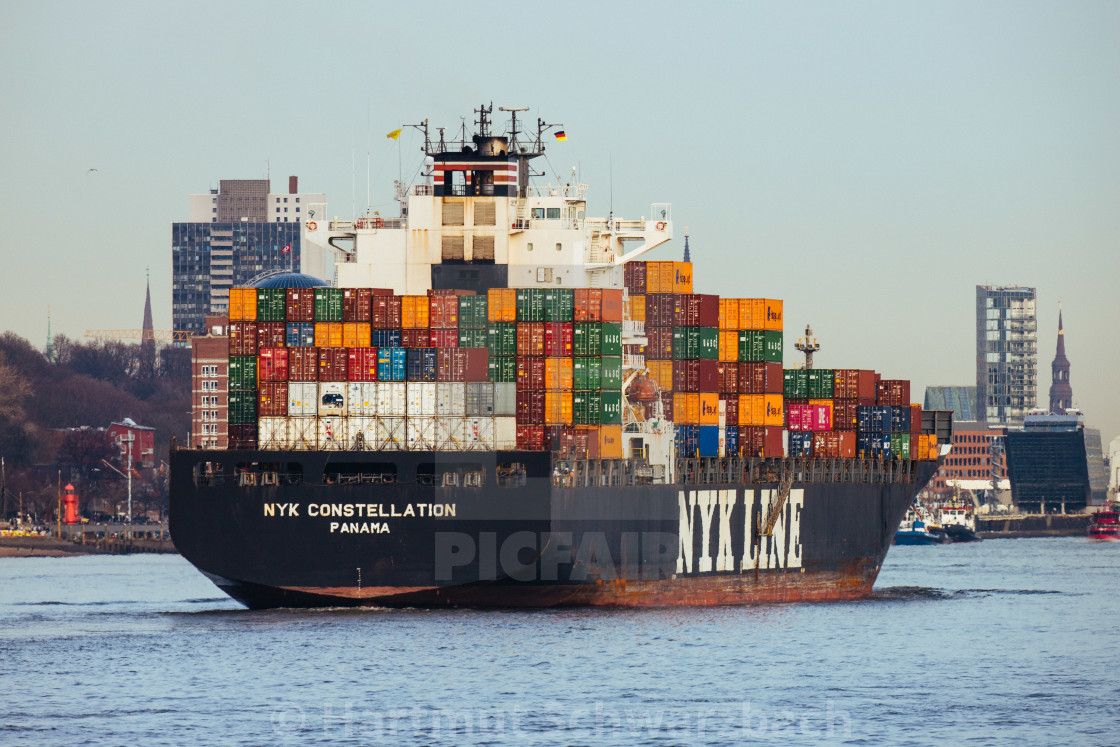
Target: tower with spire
(1061, 393)
(148, 342)
(687, 256)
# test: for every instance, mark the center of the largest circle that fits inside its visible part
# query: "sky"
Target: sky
(868, 162)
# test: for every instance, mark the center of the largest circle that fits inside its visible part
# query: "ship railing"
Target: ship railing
(568, 472)
(633, 328)
(726, 470)
(567, 191)
(423, 190)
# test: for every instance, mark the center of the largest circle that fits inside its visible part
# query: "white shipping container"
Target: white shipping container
(332, 398)
(272, 433)
(421, 399)
(480, 399)
(332, 434)
(478, 434)
(449, 434)
(391, 433)
(421, 434)
(361, 433)
(391, 400)
(303, 399)
(451, 399)
(303, 433)
(505, 400)
(361, 399)
(505, 433)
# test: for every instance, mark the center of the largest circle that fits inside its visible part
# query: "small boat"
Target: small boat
(957, 521)
(918, 528)
(1105, 526)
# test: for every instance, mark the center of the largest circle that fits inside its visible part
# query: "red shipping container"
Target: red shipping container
(845, 383)
(752, 378)
(303, 364)
(589, 305)
(775, 379)
(300, 305)
(686, 376)
(242, 338)
(443, 312)
(385, 312)
(611, 305)
(559, 438)
(844, 414)
(530, 437)
(530, 374)
(634, 277)
(915, 421)
(271, 335)
(443, 338)
(752, 440)
(356, 304)
(477, 365)
(730, 409)
(363, 364)
(272, 365)
(416, 338)
(708, 376)
(581, 441)
(685, 308)
(530, 408)
(659, 309)
(667, 405)
(847, 444)
(530, 338)
(334, 364)
(707, 311)
(462, 364)
(728, 378)
(893, 392)
(272, 400)
(558, 339)
(660, 343)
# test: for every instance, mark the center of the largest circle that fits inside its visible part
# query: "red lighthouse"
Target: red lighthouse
(70, 505)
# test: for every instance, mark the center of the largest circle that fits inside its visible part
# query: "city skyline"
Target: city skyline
(870, 166)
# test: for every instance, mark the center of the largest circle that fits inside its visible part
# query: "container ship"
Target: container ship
(497, 402)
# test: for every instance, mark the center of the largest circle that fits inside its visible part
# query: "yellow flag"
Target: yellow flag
(395, 134)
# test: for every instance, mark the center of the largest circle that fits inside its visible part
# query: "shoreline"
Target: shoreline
(52, 547)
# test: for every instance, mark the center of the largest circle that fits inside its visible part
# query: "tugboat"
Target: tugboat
(958, 522)
(918, 528)
(1104, 526)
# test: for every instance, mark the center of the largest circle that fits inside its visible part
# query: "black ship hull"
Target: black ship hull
(520, 529)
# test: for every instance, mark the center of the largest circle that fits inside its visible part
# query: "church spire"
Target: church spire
(1061, 393)
(687, 256)
(148, 342)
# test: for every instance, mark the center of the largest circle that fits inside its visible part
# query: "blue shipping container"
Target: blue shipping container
(300, 335)
(391, 364)
(800, 444)
(900, 420)
(687, 438)
(422, 364)
(731, 441)
(708, 440)
(385, 338)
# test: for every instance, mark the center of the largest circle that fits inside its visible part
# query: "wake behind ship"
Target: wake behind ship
(499, 403)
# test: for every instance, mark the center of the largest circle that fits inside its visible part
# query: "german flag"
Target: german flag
(561, 136)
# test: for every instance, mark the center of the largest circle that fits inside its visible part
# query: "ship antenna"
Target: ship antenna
(808, 345)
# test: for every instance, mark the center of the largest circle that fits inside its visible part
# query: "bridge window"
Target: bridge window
(553, 213)
(538, 213)
(209, 474)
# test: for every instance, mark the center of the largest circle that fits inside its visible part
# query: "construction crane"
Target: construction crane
(168, 335)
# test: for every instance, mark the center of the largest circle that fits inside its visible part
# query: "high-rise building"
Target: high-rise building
(1006, 354)
(235, 233)
(1061, 393)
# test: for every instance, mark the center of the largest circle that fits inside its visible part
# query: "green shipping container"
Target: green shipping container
(502, 370)
(559, 304)
(796, 383)
(587, 408)
(473, 338)
(272, 304)
(243, 407)
(771, 346)
(820, 383)
(611, 338)
(472, 314)
(587, 373)
(243, 372)
(611, 375)
(751, 346)
(501, 338)
(328, 304)
(900, 445)
(530, 304)
(610, 412)
(707, 343)
(587, 339)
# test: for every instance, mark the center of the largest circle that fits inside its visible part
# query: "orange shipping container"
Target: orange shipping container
(752, 409)
(591, 434)
(610, 442)
(772, 318)
(501, 305)
(612, 305)
(729, 314)
(773, 410)
(752, 312)
(329, 335)
(728, 345)
(414, 312)
(558, 373)
(558, 408)
(661, 277)
(709, 408)
(355, 335)
(682, 277)
(637, 305)
(243, 304)
(662, 373)
(686, 408)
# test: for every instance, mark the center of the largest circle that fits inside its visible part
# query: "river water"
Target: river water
(1007, 641)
